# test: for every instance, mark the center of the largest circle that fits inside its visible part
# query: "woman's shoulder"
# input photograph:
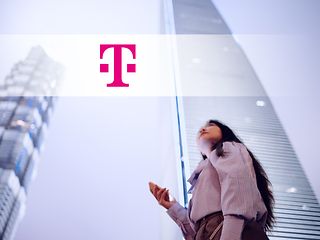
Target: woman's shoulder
(235, 160)
(231, 151)
(233, 143)
(232, 146)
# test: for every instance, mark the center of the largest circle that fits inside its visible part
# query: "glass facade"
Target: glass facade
(246, 108)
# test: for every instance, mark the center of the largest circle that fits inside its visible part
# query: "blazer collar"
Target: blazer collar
(194, 176)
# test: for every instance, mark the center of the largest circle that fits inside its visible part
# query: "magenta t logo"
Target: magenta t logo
(117, 58)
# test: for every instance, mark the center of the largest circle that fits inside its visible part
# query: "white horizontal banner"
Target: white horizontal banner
(125, 65)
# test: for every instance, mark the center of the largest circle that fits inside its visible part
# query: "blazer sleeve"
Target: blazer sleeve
(238, 189)
(179, 214)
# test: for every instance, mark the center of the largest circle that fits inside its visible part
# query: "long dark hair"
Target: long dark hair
(264, 185)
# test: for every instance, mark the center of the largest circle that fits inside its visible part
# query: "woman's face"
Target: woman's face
(207, 136)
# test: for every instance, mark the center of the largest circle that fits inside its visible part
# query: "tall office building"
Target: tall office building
(26, 103)
(239, 100)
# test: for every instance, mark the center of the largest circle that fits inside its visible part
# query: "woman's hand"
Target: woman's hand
(162, 195)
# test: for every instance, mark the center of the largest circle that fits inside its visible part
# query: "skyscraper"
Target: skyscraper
(239, 100)
(26, 102)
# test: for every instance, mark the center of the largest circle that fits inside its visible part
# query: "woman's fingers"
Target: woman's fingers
(163, 197)
(163, 200)
(167, 198)
(154, 193)
(154, 188)
(159, 193)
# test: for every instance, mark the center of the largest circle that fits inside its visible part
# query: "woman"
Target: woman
(231, 195)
